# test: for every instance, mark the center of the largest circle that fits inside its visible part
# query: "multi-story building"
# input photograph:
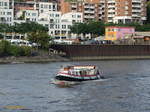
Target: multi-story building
(58, 24)
(59, 15)
(89, 8)
(42, 12)
(31, 15)
(6, 12)
(116, 11)
(125, 11)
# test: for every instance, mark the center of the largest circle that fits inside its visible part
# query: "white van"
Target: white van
(20, 42)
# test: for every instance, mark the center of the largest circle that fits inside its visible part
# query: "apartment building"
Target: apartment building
(47, 13)
(116, 11)
(125, 11)
(89, 8)
(6, 12)
(59, 15)
(31, 15)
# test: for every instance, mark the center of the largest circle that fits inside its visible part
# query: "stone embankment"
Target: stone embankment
(32, 59)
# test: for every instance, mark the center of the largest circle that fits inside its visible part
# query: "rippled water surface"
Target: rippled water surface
(125, 89)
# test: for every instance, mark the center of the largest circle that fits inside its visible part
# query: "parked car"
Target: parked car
(21, 42)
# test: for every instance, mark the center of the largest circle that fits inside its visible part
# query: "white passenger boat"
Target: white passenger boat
(78, 73)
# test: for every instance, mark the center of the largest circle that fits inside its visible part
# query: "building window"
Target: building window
(54, 6)
(45, 6)
(56, 26)
(57, 15)
(33, 14)
(64, 26)
(46, 25)
(49, 6)
(51, 26)
(8, 13)
(79, 16)
(5, 4)
(73, 21)
(42, 11)
(41, 5)
(73, 16)
(7, 18)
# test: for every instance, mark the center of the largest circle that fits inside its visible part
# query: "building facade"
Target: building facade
(116, 11)
(125, 11)
(117, 33)
(59, 15)
(6, 12)
(89, 8)
(45, 12)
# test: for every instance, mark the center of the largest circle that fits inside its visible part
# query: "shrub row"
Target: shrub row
(6, 49)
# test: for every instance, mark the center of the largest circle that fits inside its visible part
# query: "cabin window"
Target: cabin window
(72, 72)
(77, 73)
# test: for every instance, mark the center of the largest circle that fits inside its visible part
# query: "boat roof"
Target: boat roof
(81, 67)
(84, 66)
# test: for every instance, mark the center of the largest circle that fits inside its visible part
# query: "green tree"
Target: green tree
(40, 37)
(148, 12)
(96, 28)
(29, 27)
(4, 28)
(1, 36)
(79, 28)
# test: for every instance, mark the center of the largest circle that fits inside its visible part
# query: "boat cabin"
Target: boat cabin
(81, 70)
(78, 73)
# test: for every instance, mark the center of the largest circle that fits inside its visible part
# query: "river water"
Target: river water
(125, 89)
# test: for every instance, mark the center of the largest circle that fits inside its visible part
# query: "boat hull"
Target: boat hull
(64, 78)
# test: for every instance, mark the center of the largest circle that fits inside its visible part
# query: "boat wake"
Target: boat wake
(62, 83)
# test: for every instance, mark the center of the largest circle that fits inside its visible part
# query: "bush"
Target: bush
(5, 48)
(16, 50)
(26, 51)
(20, 50)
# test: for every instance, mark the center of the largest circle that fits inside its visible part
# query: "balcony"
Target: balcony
(111, 10)
(136, 6)
(136, 15)
(74, 6)
(89, 12)
(136, 10)
(136, 1)
(111, 6)
(89, 16)
(111, 15)
(111, 1)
